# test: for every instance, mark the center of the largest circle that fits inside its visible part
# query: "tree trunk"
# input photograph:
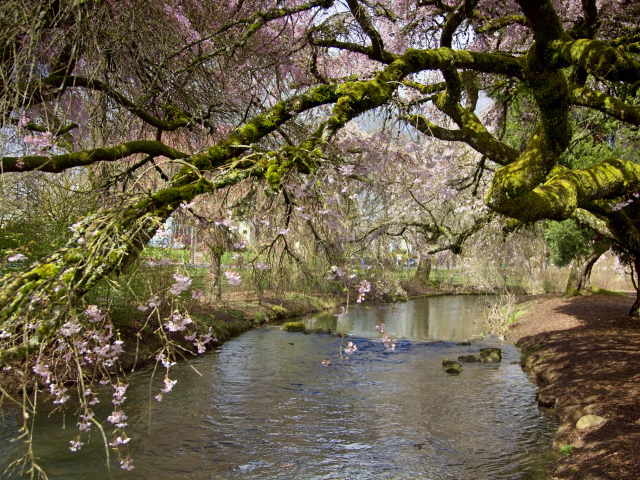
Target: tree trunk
(635, 309)
(585, 277)
(423, 270)
(573, 283)
(215, 287)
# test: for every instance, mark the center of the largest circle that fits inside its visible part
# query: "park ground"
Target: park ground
(584, 353)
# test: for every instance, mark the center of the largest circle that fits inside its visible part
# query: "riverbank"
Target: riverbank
(141, 344)
(584, 352)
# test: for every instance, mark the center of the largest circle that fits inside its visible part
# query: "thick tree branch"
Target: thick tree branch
(60, 163)
(604, 103)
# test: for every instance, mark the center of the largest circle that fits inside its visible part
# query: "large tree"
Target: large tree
(169, 100)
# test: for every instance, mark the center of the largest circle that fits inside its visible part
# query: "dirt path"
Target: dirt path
(585, 354)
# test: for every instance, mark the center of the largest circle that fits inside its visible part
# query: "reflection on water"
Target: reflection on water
(265, 407)
(452, 318)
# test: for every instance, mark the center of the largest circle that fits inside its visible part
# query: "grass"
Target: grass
(566, 450)
(501, 313)
(603, 291)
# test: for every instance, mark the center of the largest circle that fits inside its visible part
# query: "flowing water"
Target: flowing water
(265, 407)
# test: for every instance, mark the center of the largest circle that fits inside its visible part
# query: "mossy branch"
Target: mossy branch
(564, 191)
(491, 26)
(60, 163)
(472, 133)
(604, 103)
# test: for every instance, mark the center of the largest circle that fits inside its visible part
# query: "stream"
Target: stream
(265, 407)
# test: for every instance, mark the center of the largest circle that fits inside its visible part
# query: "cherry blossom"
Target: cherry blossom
(182, 283)
(177, 323)
(350, 348)
(118, 418)
(233, 278)
(94, 314)
(18, 257)
(126, 464)
(75, 445)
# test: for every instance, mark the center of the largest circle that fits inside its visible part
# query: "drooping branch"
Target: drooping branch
(377, 45)
(180, 118)
(255, 22)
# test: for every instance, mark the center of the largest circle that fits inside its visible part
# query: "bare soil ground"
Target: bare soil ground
(585, 354)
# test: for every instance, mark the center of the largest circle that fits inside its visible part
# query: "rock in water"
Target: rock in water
(490, 355)
(469, 358)
(447, 362)
(456, 369)
(293, 326)
(589, 421)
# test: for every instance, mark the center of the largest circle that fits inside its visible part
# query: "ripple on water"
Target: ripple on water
(264, 408)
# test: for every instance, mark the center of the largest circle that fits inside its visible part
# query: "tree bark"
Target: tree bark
(573, 283)
(423, 271)
(215, 287)
(585, 277)
(635, 309)
(581, 270)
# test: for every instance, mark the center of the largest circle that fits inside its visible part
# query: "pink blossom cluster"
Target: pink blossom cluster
(233, 278)
(261, 266)
(177, 323)
(94, 314)
(41, 143)
(363, 288)
(182, 283)
(118, 395)
(153, 302)
(118, 418)
(350, 348)
(389, 346)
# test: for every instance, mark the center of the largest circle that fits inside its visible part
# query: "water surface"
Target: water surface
(265, 407)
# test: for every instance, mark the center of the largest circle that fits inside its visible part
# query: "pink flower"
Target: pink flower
(177, 323)
(182, 283)
(94, 314)
(126, 464)
(261, 266)
(75, 445)
(233, 278)
(347, 170)
(196, 293)
(118, 419)
(18, 257)
(350, 348)
(168, 385)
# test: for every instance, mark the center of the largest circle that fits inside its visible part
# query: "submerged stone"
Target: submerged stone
(469, 358)
(293, 327)
(466, 343)
(456, 369)
(490, 355)
(448, 362)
